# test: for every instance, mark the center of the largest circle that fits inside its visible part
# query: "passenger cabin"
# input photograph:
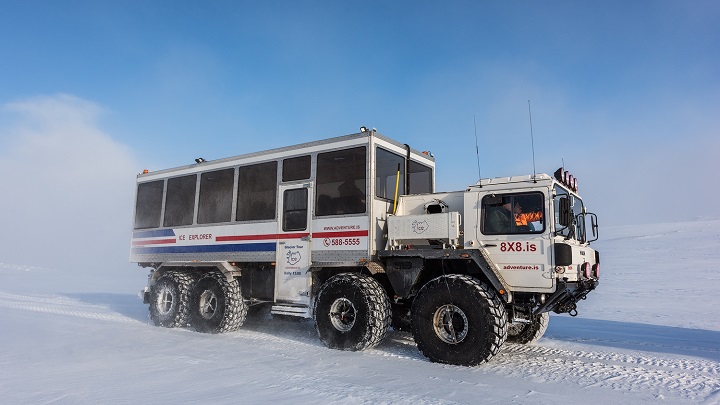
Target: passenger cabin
(320, 203)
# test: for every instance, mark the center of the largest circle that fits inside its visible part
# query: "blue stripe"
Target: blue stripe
(241, 247)
(153, 234)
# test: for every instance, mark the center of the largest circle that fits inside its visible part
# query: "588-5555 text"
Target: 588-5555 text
(341, 242)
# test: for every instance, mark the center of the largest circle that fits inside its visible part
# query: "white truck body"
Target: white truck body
(287, 224)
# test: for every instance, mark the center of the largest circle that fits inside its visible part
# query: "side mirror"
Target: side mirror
(566, 214)
(580, 225)
(594, 227)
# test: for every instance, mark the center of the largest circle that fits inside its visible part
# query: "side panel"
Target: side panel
(414, 206)
(252, 242)
(524, 261)
(340, 240)
(419, 229)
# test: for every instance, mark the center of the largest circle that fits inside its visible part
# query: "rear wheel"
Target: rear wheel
(530, 332)
(458, 320)
(169, 300)
(352, 312)
(216, 304)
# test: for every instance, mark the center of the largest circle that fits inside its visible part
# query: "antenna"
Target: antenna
(477, 152)
(532, 142)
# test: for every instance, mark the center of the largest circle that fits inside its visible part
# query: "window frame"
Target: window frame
(202, 197)
(378, 180)
(239, 209)
(411, 186)
(299, 168)
(183, 198)
(157, 204)
(359, 207)
(292, 211)
(484, 212)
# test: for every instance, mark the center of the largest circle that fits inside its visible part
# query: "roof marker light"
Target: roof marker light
(567, 179)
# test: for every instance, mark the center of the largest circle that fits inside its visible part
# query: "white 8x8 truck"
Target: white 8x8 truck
(350, 232)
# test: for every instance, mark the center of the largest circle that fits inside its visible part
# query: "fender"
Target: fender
(405, 266)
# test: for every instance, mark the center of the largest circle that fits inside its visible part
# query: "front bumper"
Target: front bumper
(566, 297)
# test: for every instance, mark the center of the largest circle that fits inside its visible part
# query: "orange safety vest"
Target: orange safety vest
(526, 217)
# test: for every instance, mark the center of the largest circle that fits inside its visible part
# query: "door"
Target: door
(292, 281)
(514, 230)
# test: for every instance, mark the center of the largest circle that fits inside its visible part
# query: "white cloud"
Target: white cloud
(67, 186)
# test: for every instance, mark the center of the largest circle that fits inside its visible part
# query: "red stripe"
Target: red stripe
(274, 236)
(344, 234)
(152, 242)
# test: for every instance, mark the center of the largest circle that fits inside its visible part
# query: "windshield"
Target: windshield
(576, 230)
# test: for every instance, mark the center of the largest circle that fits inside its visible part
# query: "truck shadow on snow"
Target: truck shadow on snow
(396, 344)
(611, 334)
(636, 336)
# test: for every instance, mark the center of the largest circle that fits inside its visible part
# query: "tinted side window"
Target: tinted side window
(420, 178)
(341, 185)
(386, 170)
(257, 191)
(180, 201)
(148, 204)
(513, 213)
(297, 168)
(216, 194)
(295, 209)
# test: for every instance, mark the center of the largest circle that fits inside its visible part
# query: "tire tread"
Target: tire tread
(496, 319)
(235, 310)
(182, 281)
(379, 313)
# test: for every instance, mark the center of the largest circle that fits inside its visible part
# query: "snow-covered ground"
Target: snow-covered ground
(651, 332)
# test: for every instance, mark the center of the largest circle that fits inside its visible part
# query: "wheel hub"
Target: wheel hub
(342, 314)
(208, 304)
(450, 324)
(165, 300)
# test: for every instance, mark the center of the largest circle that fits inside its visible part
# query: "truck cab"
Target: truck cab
(531, 232)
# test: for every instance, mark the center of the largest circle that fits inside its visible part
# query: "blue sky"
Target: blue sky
(626, 93)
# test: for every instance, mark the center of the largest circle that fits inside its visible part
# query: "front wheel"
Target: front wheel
(530, 332)
(216, 304)
(458, 320)
(352, 312)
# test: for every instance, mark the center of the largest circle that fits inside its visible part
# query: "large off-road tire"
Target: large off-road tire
(216, 304)
(352, 312)
(169, 299)
(458, 320)
(526, 333)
